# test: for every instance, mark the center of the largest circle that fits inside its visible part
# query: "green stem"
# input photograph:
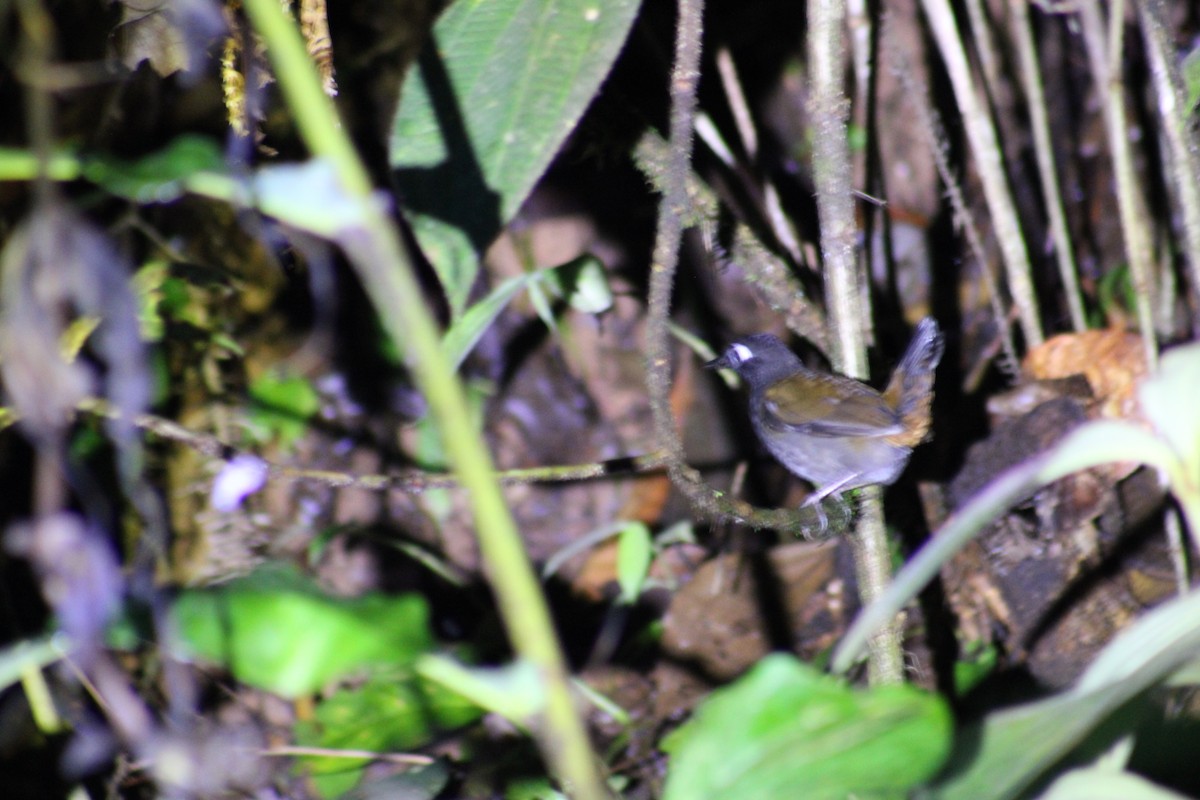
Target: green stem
(383, 265)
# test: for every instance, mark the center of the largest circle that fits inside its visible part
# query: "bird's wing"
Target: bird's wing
(846, 408)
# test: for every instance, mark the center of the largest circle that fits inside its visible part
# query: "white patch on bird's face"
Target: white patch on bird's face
(741, 352)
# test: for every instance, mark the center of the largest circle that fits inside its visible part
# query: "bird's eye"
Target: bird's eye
(741, 352)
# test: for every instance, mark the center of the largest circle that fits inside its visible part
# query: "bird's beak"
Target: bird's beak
(719, 363)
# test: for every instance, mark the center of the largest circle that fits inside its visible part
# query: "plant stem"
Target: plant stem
(1039, 122)
(378, 255)
(1184, 163)
(849, 309)
(981, 133)
(1105, 57)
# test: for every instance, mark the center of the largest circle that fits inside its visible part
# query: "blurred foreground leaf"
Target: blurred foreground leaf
(282, 407)
(787, 730)
(394, 711)
(159, 177)
(275, 629)
(1007, 751)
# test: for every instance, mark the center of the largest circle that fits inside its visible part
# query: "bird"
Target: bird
(835, 432)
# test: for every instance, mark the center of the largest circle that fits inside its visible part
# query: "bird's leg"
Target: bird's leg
(825, 491)
(815, 499)
(822, 520)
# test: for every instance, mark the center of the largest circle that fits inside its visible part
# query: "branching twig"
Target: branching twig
(674, 212)
(764, 270)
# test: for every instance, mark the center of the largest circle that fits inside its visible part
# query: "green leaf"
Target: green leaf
(786, 730)
(22, 164)
(29, 654)
(1168, 399)
(1106, 784)
(282, 406)
(1190, 70)
(465, 333)
(514, 691)
(308, 195)
(390, 713)
(635, 551)
(575, 280)
(159, 177)
(275, 629)
(974, 665)
(148, 287)
(497, 90)
(583, 282)
(541, 305)
(1011, 749)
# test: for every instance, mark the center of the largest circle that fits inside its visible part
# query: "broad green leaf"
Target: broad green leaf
(977, 661)
(786, 730)
(514, 691)
(495, 93)
(583, 282)
(307, 195)
(1011, 749)
(390, 713)
(22, 164)
(275, 629)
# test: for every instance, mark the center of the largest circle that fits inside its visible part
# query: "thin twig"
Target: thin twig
(288, 751)
(671, 173)
(765, 271)
(410, 481)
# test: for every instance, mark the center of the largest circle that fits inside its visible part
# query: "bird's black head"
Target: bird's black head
(761, 359)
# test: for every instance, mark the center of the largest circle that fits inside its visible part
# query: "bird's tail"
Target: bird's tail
(910, 391)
